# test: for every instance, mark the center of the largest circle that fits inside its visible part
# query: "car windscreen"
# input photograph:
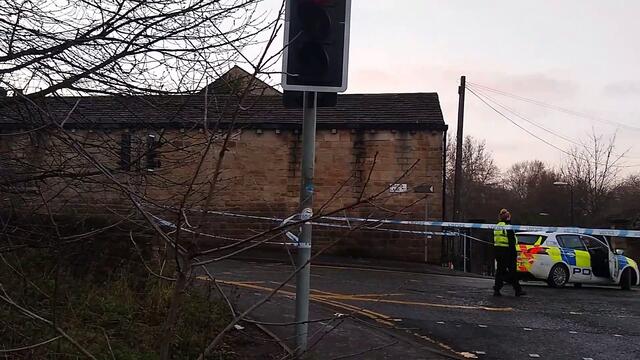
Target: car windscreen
(527, 239)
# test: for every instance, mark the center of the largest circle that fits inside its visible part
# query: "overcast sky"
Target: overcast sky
(580, 55)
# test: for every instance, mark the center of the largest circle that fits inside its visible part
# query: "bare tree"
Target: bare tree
(593, 171)
(530, 184)
(122, 46)
(60, 163)
(626, 201)
(58, 167)
(480, 177)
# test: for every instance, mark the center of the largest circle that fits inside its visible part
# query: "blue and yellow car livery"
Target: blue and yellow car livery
(562, 258)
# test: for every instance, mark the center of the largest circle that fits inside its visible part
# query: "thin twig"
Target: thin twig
(145, 263)
(375, 348)
(30, 347)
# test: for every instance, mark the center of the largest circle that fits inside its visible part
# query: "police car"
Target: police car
(562, 258)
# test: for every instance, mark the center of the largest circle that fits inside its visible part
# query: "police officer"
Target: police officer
(504, 242)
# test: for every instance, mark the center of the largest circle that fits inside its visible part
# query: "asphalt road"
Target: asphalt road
(447, 313)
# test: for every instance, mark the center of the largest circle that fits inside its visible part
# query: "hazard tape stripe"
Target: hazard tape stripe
(461, 225)
(456, 225)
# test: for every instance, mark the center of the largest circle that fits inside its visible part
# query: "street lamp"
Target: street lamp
(563, 183)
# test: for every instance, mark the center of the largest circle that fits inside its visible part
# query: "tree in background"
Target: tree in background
(532, 194)
(480, 179)
(593, 171)
(625, 204)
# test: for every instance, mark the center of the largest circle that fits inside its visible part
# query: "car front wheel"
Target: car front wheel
(627, 279)
(558, 276)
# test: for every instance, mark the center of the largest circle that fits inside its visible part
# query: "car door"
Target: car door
(601, 259)
(574, 252)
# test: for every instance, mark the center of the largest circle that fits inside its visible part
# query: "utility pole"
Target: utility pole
(457, 182)
(306, 212)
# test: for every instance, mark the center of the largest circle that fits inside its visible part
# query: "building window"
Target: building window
(152, 152)
(125, 152)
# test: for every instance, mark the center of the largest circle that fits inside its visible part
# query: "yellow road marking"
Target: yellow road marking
(381, 318)
(356, 298)
(378, 298)
(372, 297)
(357, 268)
(206, 278)
(331, 295)
(331, 299)
(378, 317)
(418, 303)
(370, 314)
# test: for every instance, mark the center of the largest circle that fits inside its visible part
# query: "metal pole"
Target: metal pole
(464, 253)
(426, 228)
(306, 212)
(572, 218)
(457, 186)
(444, 243)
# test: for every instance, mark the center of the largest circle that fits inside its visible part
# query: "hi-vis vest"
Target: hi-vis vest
(500, 236)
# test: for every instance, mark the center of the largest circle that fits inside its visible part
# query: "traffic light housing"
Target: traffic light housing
(316, 45)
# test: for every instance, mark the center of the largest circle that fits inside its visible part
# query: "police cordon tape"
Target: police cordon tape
(461, 225)
(290, 218)
(443, 224)
(293, 237)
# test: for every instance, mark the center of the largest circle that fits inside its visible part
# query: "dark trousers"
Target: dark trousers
(506, 268)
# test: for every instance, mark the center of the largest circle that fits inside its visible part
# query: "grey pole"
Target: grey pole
(464, 253)
(573, 223)
(426, 229)
(306, 211)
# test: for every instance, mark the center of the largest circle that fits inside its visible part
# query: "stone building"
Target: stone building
(152, 145)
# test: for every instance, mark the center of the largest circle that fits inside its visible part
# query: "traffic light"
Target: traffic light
(316, 45)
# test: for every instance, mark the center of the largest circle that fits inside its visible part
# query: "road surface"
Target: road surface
(413, 314)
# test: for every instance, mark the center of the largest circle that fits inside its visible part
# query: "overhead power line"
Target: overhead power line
(568, 153)
(496, 102)
(565, 138)
(556, 107)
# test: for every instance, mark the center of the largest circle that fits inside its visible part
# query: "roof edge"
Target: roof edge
(253, 125)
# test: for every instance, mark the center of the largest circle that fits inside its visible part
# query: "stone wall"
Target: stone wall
(260, 176)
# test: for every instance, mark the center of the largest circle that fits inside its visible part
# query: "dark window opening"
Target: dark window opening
(152, 152)
(599, 256)
(125, 152)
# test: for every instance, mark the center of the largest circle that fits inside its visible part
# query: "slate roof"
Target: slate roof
(406, 110)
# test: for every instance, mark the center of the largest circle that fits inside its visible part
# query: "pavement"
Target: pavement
(361, 312)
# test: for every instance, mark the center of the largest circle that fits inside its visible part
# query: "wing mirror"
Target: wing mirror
(619, 252)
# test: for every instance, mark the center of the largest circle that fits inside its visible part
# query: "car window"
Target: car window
(593, 243)
(528, 239)
(571, 242)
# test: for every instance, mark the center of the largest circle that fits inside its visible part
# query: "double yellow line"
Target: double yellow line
(335, 300)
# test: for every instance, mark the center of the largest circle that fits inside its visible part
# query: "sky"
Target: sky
(583, 56)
